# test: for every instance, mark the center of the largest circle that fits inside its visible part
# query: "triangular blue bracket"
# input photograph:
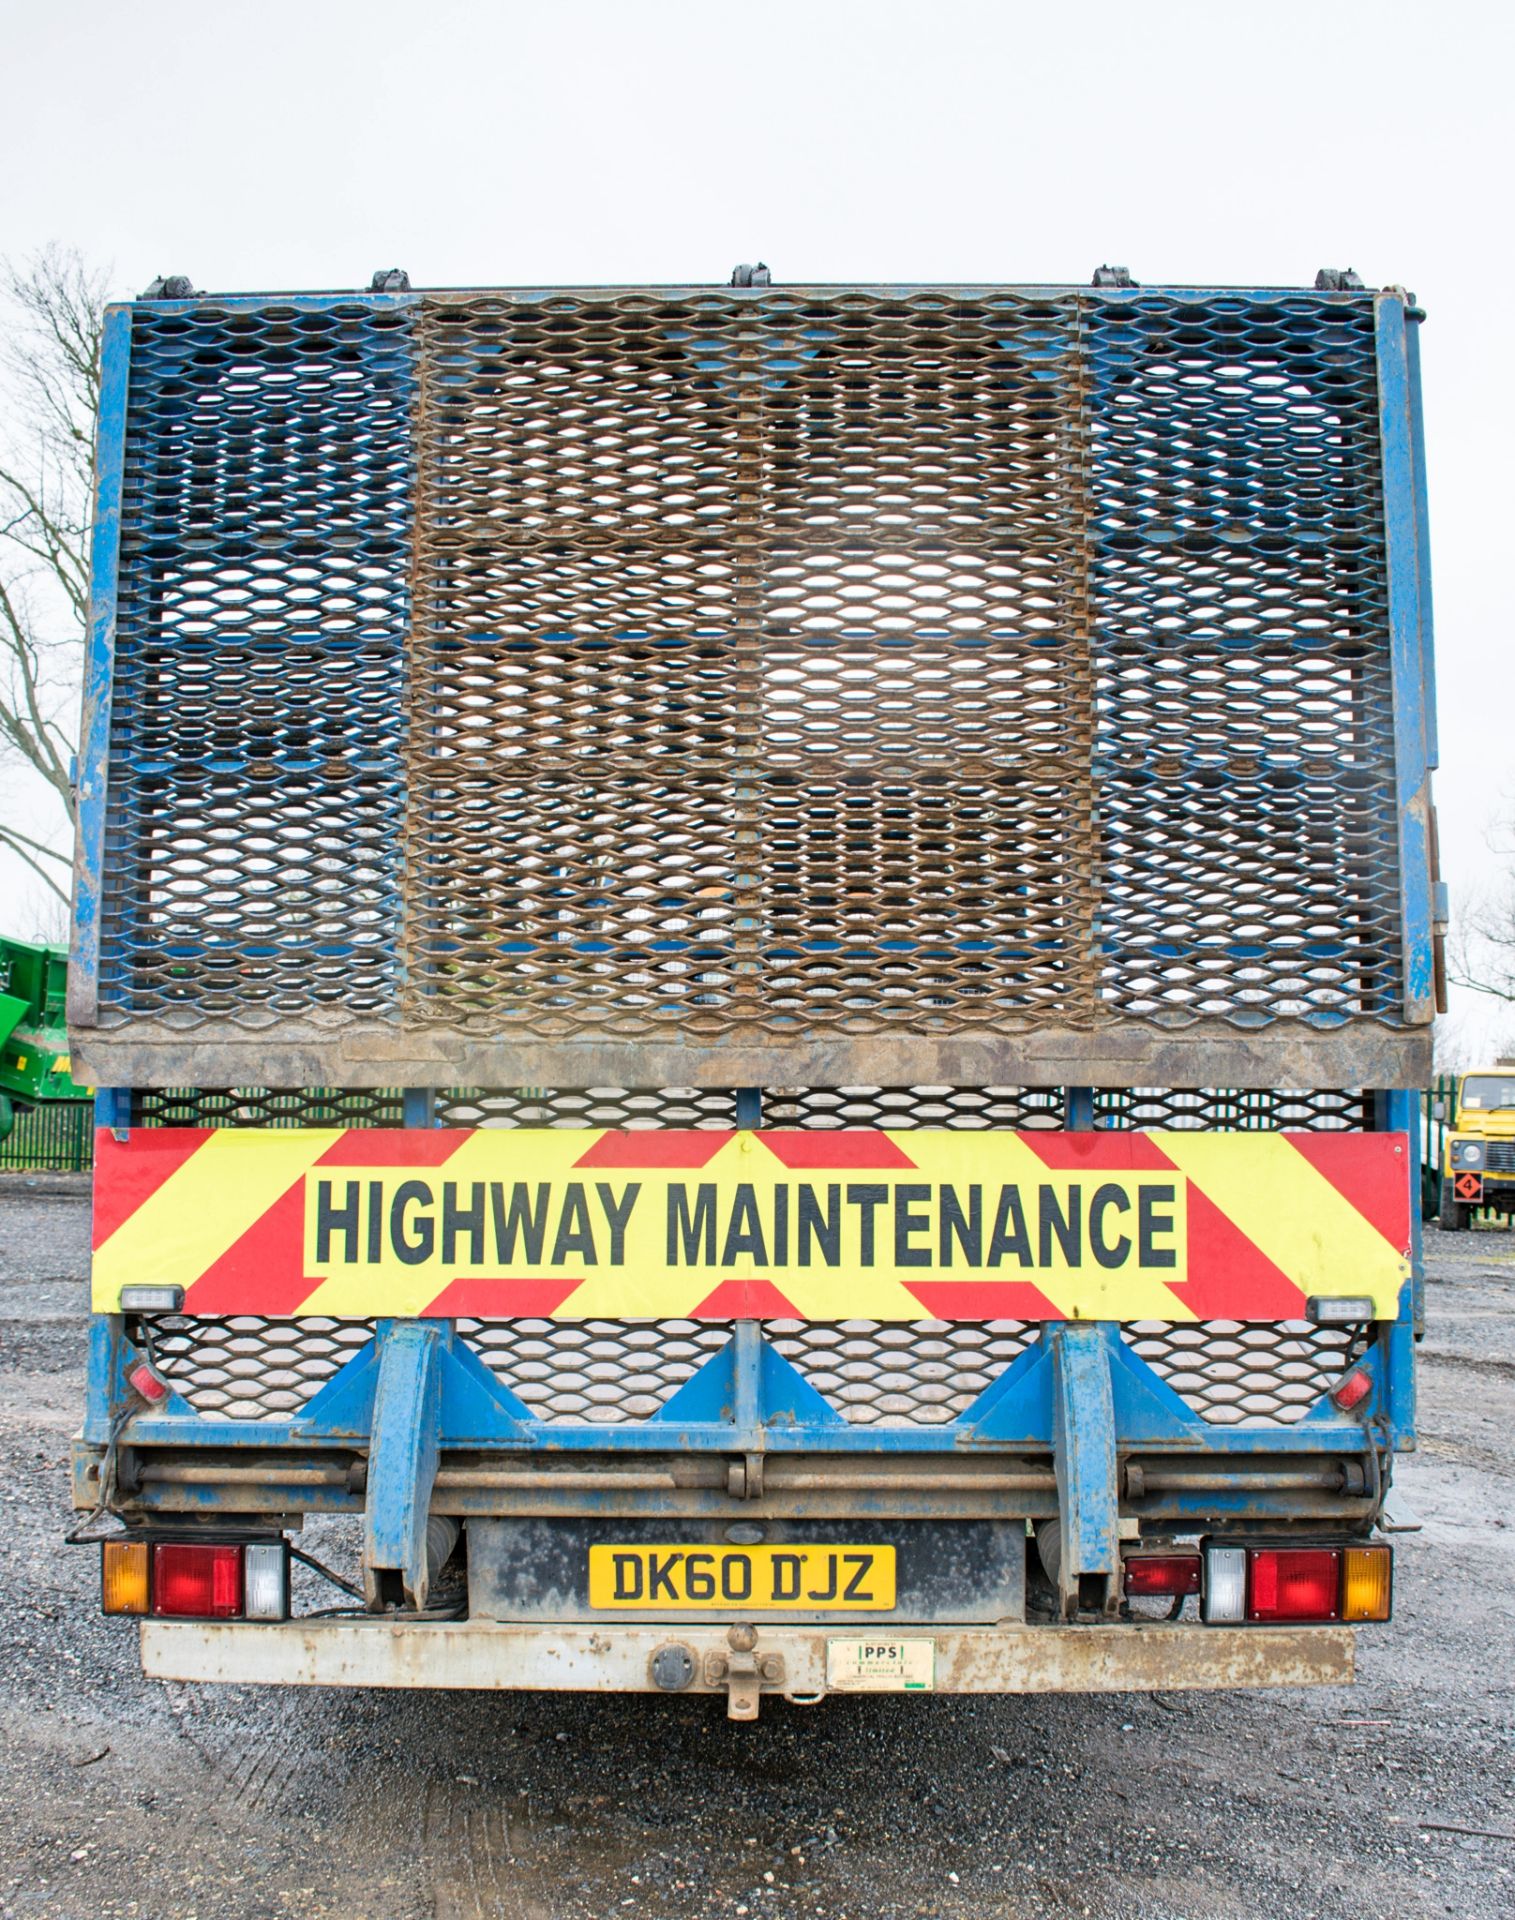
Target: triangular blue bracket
(1015, 1409)
(1146, 1408)
(344, 1406)
(475, 1409)
(776, 1393)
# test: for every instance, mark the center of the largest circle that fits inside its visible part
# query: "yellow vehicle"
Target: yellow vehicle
(1478, 1154)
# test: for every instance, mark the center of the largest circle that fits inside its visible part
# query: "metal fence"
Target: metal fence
(57, 1138)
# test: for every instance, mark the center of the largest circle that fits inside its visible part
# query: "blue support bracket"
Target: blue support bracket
(749, 1387)
(402, 1462)
(1088, 1494)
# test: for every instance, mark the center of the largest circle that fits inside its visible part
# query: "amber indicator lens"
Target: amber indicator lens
(1367, 1583)
(123, 1576)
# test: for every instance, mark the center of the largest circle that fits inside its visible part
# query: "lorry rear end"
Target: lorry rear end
(759, 959)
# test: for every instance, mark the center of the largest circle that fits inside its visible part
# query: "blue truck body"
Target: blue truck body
(1178, 485)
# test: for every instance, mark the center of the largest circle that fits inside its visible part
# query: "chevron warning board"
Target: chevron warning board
(501, 1223)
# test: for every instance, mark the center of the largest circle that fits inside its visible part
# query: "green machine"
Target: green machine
(34, 1063)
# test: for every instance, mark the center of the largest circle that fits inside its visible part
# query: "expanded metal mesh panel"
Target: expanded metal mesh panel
(604, 1372)
(709, 1107)
(1246, 719)
(595, 1371)
(904, 1107)
(713, 668)
(763, 623)
(255, 786)
(920, 1375)
(248, 1368)
(1234, 1374)
(267, 1107)
(1264, 1109)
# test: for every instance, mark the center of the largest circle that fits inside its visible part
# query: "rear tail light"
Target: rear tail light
(1168, 1574)
(1353, 1390)
(152, 1388)
(123, 1576)
(1367, 1583)
(197, 1582)
(1293, 1583)
(196, 1579)
(1298, 1585)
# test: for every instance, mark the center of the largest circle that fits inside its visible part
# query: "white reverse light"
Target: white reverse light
(151, 1299)
(266, 1581)
(1225, 1595)
(1339, 1310)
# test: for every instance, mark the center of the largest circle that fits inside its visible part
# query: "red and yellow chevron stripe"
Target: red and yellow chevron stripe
(498, 1223)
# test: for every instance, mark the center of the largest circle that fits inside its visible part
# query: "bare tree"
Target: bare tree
(1481, 952)
(50, 369)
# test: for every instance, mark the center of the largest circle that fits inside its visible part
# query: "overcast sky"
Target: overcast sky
(303, 145)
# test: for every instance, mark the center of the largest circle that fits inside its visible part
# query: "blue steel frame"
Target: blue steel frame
(1079, 1394)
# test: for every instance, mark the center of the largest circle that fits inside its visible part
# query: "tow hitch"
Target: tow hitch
(743, 1672)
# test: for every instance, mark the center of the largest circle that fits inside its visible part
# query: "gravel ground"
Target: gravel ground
(128, 1797)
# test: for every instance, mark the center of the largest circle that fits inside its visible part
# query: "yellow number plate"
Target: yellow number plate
(764, 1579)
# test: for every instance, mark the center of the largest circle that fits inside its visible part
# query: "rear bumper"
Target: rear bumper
(618, 1659)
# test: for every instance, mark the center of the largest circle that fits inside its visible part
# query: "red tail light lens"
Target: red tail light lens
(197, 1583)
(1295, 1583)
(1169, 1574)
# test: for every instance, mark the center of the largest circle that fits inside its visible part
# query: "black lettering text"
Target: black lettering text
(411, 1249)
(1150, 1223)
(628, 1575)
(686, 1228)
(867, 1199)
(617, 1213)
(828, 1592)
(330, 1220)
(861, 1564)
(1066, 1227)
(469, 1220)
(660, 1576)
(967, 1231)
(907, 1223)
(375, 1222)
(825, 1229)
(516, 1222)
(786, 1571)
(744, 1230)
(575, 1234)
(1009, 1235)
(1107, 1252)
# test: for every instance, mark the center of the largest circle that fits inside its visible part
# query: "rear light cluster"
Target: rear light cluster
(1313, 1585)
(1269, 1584)
(196, 1579)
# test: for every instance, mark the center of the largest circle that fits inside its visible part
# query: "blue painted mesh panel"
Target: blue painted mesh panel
(822, 663)
(255, 786)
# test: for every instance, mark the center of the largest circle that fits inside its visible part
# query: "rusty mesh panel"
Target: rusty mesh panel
(765, 626)
(678, 666)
